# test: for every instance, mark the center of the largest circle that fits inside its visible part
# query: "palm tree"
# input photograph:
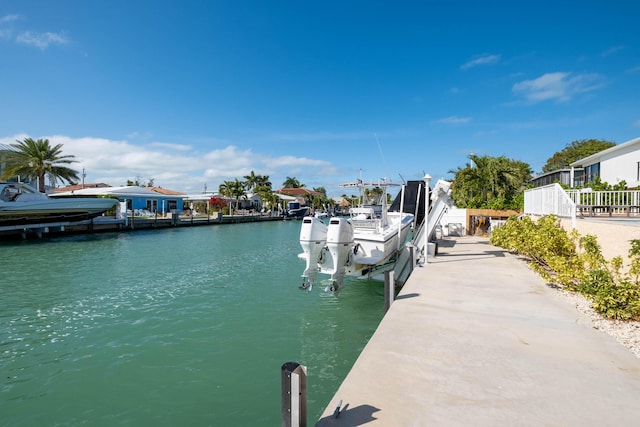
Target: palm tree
(233, 189)
(37, 159)
(253, 181)
(292, 183)
(226, 189)
(263, 181)
(250, 181)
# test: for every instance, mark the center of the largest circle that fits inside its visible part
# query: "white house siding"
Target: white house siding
(616, 163)
(621, 165)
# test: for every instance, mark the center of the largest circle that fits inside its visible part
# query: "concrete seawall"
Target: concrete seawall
(476, 338)
(614, 235)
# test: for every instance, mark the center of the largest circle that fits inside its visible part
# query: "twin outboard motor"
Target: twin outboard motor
(340, 246)
(313, 236)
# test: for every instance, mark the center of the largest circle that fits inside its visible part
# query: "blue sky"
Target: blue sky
(198, 92)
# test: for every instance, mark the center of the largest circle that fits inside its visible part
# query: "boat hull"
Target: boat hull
(22, 207)
(342, 249)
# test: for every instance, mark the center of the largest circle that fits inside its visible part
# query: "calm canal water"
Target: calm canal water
(186, 326)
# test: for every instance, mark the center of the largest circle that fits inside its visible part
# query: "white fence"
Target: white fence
(553, 199)
(611, 202)
(549, 200)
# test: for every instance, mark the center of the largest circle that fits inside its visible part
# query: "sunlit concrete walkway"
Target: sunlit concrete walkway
(477, 339)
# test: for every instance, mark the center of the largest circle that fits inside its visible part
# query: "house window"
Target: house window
(637, 171)
(578, 178)
(172, 205)
(152, 205)
(591, 172)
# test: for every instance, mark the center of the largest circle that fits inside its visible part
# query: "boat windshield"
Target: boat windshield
(10, 192)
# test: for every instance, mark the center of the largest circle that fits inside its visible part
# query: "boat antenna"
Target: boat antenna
(386, 167)
(402, 178)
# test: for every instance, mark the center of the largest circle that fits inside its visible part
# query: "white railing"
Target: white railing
(549, 200)
(585, 197)
(553, 199)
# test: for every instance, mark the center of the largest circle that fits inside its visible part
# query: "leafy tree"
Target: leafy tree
(37, 159)
(319, 200)
(353, 200)
(490, 183)
(598, 185)
(576, 150)
(373, 195)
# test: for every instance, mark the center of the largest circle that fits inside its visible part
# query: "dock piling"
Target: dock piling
(389, 288)
(294, 395)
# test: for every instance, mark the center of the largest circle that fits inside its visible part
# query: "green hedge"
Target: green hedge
(576, 263)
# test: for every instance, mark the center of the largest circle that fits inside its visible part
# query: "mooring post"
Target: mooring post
(294, 395)
(412, 256)
(389, 288)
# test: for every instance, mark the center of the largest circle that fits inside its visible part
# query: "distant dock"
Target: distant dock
(105, 224)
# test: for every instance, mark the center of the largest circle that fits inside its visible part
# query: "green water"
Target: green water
(186, 326)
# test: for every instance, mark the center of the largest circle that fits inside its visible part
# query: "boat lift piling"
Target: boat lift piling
(389, 289)
(401, 212)
(294, 395)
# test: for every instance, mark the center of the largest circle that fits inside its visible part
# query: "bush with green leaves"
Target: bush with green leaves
(576, 263)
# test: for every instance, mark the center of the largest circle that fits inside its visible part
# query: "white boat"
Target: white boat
(296, 210)
(355, 245)
(22, 204)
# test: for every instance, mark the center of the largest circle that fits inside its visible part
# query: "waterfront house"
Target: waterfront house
(561, 176)
(136, 198)
(613, 165)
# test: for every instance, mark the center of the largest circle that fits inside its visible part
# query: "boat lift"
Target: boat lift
(414, 253)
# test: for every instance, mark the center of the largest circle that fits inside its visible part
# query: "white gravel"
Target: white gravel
(626, 333)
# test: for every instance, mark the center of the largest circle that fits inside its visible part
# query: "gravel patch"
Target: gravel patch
(626, 333)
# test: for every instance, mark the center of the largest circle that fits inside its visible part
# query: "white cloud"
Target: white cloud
(174, 166)
(484, 59)
(9, 18)
(41, 40)
(560, 86)
(176, 147)
(6, 32)
(611, 51)
(453, 120)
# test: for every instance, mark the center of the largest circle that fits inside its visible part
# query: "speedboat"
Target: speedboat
(296, 210)
(22, 204)
(353, 246)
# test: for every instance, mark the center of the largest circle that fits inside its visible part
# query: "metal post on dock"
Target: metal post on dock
(294, 395)
(427, 179)
(389, 289)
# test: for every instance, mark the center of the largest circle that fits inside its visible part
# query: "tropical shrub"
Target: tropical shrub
(576, 263)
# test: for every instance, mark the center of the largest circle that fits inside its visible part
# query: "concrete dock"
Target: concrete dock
(475, 338)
